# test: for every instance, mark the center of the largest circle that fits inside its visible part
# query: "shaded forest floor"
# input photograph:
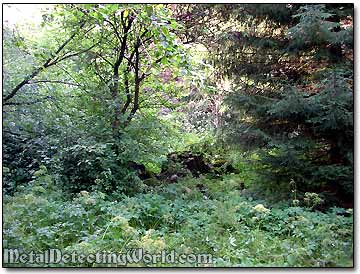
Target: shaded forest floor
(203, 215)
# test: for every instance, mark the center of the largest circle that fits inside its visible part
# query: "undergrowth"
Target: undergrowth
(193, 216)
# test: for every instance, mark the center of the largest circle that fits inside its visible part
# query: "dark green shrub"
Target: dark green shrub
(95, 167)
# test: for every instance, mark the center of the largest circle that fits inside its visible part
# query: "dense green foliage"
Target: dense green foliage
(204, 129)
(291, 69)
(234, 228)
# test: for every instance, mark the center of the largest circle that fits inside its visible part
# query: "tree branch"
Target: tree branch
(127, 90)
(115, 29)
(54, 81)
(103, 58)
(137, 83)
(41, 68)
(72, 55)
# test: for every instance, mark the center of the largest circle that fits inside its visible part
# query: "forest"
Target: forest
(178, 135)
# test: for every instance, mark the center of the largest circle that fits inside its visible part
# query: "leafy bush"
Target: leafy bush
(95, 167)
(237, 230)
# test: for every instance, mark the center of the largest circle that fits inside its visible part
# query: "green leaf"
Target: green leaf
(165, 31)
(291, 258)
(149, 10)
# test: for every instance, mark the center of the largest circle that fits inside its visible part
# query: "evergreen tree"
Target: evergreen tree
(292, 72)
